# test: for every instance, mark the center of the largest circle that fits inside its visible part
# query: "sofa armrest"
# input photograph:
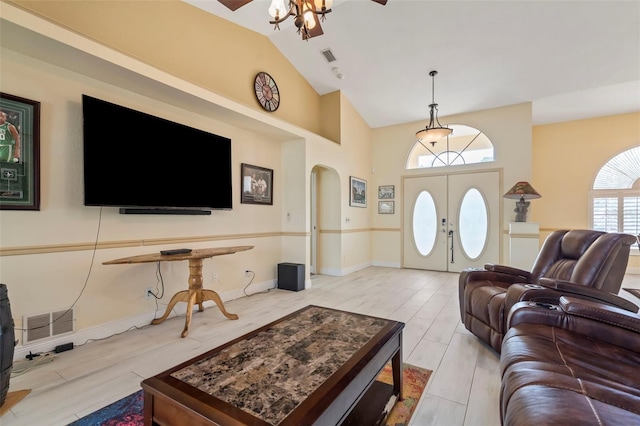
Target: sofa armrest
(576, 290)
(509, 270)
(601, 312)
(596, 320)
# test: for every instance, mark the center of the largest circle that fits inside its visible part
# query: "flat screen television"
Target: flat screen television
(146, 164)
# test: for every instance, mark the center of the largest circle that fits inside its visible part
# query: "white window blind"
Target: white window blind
(631, 215)
(605, 214)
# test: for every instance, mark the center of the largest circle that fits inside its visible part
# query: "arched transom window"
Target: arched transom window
(615, 198)
(466, 145)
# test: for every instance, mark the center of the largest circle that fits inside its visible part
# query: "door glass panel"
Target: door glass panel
(473, 224)
(425, 223)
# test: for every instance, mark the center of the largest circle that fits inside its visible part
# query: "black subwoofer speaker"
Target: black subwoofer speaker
(291, 276)
(7, 343)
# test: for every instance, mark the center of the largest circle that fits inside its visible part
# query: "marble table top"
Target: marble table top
(270, 373)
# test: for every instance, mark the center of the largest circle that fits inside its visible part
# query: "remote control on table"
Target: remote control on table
(174, 251)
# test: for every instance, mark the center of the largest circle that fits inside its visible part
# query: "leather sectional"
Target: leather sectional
(577, 362)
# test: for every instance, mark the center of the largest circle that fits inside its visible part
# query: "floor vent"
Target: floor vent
(51, 324)
(328, 55)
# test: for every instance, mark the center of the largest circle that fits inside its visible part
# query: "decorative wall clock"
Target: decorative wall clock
(267, 91)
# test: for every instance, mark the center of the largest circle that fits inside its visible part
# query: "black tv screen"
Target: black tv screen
(133, 159)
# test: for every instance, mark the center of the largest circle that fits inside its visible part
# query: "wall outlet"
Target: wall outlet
(215, 277)
(247, 273)
(148, 293)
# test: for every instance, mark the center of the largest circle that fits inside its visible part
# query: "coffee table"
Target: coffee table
(310, 367)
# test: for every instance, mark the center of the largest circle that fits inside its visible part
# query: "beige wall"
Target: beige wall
(63, 221)
(508, 128)
(63, 232)
(350, 237)
(566, 158)
(346, 248)
(199, 47)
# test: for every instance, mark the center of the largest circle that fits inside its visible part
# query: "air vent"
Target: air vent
(46, 325)
(328, 55)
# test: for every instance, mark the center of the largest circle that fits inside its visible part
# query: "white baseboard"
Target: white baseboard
(344, 271)
(331, 272)
(387, 264)
(114, 327)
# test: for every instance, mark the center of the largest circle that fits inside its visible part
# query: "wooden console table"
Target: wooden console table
(195, 293)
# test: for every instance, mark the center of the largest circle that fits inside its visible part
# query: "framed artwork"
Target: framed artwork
(386, 207)
(386, 192)
(19, 153)
(257, 185)
(357, 192)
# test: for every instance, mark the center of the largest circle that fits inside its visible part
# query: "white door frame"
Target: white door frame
(436, 262)
(314, 225)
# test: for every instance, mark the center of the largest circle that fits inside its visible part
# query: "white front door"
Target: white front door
(451, 222)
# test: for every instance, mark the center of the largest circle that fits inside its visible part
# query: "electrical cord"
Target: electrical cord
(159, 281)
(86, 281)
(133, 327)
(21, 367)
(251, 281)
(159, 289)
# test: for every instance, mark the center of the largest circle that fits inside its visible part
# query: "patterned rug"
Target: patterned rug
(128, 410)
(634, 291)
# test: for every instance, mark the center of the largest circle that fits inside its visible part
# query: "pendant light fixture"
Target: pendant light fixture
(434, 131)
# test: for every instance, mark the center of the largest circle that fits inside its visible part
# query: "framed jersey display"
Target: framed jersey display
(19, 153)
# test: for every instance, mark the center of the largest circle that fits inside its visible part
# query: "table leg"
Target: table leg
(181, 296)
(193, 296)
(212, 295)
(396, 366)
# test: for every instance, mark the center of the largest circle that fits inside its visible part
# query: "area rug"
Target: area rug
(128, 410)
(634, 291)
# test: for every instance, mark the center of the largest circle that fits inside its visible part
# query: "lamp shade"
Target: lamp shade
(433, 134)
(522, 190)
(277, 9)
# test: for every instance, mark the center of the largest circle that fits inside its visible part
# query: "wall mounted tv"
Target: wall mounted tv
(146, 164)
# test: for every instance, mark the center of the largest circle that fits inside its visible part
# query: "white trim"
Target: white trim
(387, 264)
(344, 271)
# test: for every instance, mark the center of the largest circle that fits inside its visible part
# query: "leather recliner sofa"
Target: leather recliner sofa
(584, 263)
(574, 363)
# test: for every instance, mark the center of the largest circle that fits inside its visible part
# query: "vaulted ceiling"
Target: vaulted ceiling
(571, 59)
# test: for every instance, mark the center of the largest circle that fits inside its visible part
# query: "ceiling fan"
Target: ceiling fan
(307, 13)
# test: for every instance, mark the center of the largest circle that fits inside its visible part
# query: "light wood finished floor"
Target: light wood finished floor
(463, 390)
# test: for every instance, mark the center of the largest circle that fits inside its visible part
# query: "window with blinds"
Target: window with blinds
(631, 215)
(615, 198)
(605, 214)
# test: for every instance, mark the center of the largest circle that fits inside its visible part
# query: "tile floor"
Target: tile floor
(463, 390)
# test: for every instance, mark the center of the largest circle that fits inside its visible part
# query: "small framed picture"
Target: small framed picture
(257, 185)
(19, 153)
(357, 192)
(386, 192)
(386, 207)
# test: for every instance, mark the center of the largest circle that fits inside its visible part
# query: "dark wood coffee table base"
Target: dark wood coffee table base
(190, 393)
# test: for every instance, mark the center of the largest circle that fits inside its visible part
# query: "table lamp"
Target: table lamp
(522, 191)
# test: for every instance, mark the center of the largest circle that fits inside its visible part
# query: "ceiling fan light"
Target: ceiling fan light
(309, 19)
(326, 3)
(277, 9)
